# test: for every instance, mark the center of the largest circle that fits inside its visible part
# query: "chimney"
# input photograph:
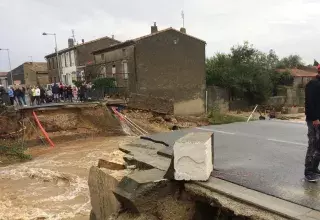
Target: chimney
(154, 28)
(70, 43)
(183, 30)
(82, 41)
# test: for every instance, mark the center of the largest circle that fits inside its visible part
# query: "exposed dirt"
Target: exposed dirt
(155, 122)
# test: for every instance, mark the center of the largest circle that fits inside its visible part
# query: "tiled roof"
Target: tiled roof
(2, 74)
(306, 72)
(81, 44)
(132, 41)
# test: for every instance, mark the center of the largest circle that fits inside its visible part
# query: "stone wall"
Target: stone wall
(172, 65)
(218, 98)
(148, 102)
(288, 96)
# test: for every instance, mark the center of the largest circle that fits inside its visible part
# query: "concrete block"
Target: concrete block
(139, 191)
(103, 201)
(111, 165)
(193, 156)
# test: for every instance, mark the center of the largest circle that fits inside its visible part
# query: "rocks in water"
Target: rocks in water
(103, 201)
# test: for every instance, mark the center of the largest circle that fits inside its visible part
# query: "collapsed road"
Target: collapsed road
(258, 173)
(267, 156)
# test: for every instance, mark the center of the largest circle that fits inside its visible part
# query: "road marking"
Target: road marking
(222, 132)
(287, 142)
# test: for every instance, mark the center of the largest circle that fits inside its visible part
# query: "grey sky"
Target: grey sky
(287, 26)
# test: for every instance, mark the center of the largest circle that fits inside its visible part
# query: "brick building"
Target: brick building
(74, 59)
(29, 73)
(163, 71)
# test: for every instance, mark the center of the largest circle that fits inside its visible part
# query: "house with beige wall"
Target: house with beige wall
(163, 71)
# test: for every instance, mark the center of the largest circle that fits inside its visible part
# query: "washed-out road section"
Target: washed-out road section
(266, 156)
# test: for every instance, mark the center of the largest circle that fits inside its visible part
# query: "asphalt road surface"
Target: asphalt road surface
(267, 156)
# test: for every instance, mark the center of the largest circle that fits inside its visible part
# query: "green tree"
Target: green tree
(247, 72)
(102, 83)
(315, 63)
(292, 61)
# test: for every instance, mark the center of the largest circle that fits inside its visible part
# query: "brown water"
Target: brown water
(54, 184)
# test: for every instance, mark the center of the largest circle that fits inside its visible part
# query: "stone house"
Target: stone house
(29, 73)
(74, 59)
(302, 75)
(162, 71)
(4, 79)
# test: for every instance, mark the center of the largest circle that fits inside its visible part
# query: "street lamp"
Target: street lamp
(55, 40)
(9, 64)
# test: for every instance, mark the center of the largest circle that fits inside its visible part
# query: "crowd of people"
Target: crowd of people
(37, 95)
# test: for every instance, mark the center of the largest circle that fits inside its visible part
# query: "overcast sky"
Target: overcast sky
(287, 26)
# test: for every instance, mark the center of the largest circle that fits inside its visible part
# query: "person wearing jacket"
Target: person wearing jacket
(11, 95)
(37, 95)
(312, 112)
(55, 92)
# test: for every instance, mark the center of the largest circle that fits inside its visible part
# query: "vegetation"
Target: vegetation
(102, 83)
(13, 150)
(249, 73)
(217, 118)
(78, 83)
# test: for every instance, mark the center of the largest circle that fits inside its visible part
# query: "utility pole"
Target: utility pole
(73, 36)
(182, 15)
(9, 64)
(31, 59)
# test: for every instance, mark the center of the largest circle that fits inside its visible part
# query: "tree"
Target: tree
(292, 61)
(315, 63)
(247, 72)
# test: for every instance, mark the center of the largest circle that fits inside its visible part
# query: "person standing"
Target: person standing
(69, 93)
(55, 92)
(75, 93)
(37, 95)
(42, 95)
(312, 112)
(11, 95)
(23, 96)
(17, 94)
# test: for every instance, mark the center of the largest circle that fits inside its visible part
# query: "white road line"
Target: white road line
(287, 142)
(222, 132)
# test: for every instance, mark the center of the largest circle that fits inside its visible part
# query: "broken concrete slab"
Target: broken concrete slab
(193, 156)
(111, 165)
(103, 201)
(140, 191)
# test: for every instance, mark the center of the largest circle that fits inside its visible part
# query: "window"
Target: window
(67, 59)
(49, 64)
(113, 70)
(55, 79)
(125, 69)
(72, 60)
(74, 76)
(62, 60)
(102, 57)
(53, 66)
(124, 52)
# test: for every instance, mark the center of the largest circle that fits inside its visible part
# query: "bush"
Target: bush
(102, 83)
(13, 150)
(217, 118)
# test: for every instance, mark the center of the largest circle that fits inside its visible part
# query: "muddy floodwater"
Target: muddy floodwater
(54, 184)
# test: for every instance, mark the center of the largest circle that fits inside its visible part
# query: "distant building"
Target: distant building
(4, 79)
(74, 59)
(302, 75)
(163, 71)
(29, 73)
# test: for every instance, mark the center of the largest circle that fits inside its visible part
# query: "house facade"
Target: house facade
(4, 79)
(74, 59)
(162, 71)
(29, 73)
